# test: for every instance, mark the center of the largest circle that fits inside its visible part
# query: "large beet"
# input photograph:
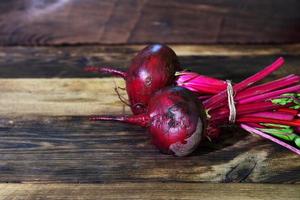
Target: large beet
(175, 119)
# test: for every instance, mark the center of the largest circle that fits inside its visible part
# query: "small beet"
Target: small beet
(175, 119)
(153, 68)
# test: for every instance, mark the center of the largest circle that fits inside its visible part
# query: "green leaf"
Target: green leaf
(297, 141)
(289, 94)
(285, 134)
(276, 125)
(282, 101)
(296, 95)
(295, 107)
(288, 98)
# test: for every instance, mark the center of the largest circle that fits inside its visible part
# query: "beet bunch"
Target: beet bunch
(180, 108)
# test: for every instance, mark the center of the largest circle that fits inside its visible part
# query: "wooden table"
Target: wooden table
(49, 150)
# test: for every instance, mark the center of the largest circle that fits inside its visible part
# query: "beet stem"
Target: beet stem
(215, 100)
(269, 95)
(107, 70)
(268, 120)
(267, 87)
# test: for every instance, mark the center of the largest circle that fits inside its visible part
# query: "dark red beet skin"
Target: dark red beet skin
(153, 68)
(175, 119)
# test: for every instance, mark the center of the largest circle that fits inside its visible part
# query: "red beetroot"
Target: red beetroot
(175, 119)
(156, 67)
(153, 68)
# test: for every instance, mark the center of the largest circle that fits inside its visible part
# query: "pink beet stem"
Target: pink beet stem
(202, 88)
(269, 95)
(269, 137)
(272, 115)
(255, 125)
(288, 110)
(140, 120)
(186, 77)
(267, 87)
(203, 97)
(218, 98)
(222, 113)
(106, 70)
(267, 120)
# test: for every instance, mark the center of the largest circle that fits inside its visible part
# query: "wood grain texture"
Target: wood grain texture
(157, 191)
(57, 22)
(46, 137)
(230, 61)
(59, 97)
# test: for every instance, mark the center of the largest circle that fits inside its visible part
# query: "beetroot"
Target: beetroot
(153, 68)
(178, 122)
(175, 119)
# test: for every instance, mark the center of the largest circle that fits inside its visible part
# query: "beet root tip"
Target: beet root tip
(106, 70)
(142, 120)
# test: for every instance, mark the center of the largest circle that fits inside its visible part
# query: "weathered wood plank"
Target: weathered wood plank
(231, 61)
(65, 149)
(59, 97)
(33, 22)
(149, 191)
(45, 137)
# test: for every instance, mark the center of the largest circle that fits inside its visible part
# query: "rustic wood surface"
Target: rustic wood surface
(48, 145)
(46, 137)
(60, 97)
(230, 61)
(155, 191)
(57, 22)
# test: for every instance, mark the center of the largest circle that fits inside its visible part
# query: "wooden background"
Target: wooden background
(58, 22)
(47, 145)
(46, 139)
